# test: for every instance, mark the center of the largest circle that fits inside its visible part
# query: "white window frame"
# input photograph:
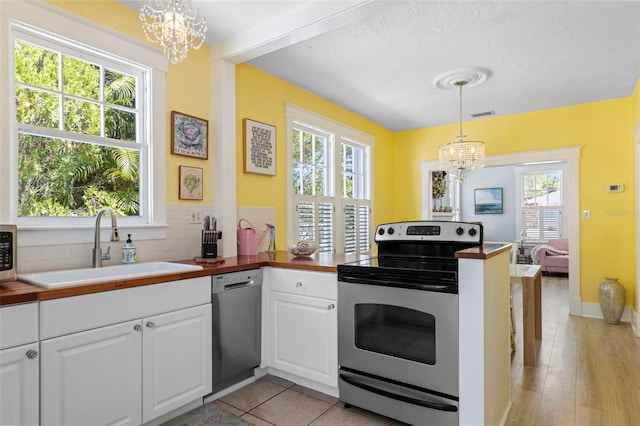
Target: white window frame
(339, 132)
(520, 209)
(45, 19)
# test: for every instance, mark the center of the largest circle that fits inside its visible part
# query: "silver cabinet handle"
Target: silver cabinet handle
(150, 324)
(299, 284)
(331, 306)
(31, 354)
(137, 327)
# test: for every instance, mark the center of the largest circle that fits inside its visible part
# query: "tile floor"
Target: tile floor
(274, 401)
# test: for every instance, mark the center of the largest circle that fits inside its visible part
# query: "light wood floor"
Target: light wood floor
(588, 372)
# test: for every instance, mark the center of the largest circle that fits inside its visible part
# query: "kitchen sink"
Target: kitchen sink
(78, 277)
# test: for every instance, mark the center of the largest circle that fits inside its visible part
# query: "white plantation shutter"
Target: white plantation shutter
(325, 228)
(350, 230)
(357, 227)
(306, 221)
(315, 222)
(364, 227)
(542, 222)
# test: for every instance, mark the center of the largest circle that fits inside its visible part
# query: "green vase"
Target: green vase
(611, 297)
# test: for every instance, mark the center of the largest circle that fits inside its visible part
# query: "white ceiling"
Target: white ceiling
(379, 58)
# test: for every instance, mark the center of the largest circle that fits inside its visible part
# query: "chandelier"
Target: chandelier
(461, 156)
(172, 25)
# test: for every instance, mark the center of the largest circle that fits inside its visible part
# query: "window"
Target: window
(542, 203)
(78, 120)
(78, 126)
(330, 195)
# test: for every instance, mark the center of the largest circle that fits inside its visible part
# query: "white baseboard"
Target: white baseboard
(592, 310)
(635, 323)
(575, 306)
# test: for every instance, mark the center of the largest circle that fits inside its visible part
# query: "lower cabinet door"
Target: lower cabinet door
(177, 359)
(304, 337)
(19, 379)
(93, 377)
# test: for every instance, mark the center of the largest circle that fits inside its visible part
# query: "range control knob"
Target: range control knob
(460, 231)
(390, 231)
(380, 231)
(472, 232)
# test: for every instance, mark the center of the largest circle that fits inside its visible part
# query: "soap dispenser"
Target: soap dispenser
(128, 251)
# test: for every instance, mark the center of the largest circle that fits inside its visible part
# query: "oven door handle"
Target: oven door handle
(403, 398)
(390, 283)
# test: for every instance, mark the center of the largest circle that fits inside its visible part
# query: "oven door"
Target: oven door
(406, 335)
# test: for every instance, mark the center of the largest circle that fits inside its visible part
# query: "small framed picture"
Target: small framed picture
(488, 201)
(189, 135)
(259, 147)
(190, 185)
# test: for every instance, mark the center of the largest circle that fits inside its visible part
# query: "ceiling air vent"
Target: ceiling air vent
(482, 114)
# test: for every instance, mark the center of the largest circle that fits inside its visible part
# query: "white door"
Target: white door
(177, 359)
(304, 337)
(19, 379)
(93, 377)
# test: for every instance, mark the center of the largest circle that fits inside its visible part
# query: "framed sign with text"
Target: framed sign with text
(259, 147)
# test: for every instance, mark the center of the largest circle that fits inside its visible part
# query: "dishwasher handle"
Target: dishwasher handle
(235, 286)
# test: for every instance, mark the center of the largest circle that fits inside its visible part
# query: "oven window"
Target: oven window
(396, 331)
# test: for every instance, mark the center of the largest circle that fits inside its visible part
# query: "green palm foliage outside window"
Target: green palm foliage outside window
(78, 147)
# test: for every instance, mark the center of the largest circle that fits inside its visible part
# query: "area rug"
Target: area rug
(207, 415)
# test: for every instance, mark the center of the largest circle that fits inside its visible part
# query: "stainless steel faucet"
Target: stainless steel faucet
(98, 257)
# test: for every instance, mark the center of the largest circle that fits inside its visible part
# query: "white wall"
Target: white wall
(497, 227)
(182, 242)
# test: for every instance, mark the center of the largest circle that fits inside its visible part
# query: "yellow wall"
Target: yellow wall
(187, 85)
(603, 129)
(261, 96)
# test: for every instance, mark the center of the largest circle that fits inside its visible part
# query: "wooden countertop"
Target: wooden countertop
(484, 251)
(12, 292)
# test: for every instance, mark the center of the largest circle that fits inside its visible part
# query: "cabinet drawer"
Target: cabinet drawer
(78, 313)
(18, 325)
(306, 283)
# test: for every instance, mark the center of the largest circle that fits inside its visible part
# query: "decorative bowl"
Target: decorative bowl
(303, 248)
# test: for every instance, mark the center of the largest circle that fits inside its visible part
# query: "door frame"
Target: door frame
(570, 155)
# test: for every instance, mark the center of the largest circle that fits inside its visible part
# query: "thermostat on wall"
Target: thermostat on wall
(615, 187)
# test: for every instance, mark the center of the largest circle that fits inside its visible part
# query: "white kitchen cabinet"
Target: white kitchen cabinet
(177, 366)
(93, 377)
(127, 373)
(135, 370)
(19, 378)
(19, 365)
(304, 327)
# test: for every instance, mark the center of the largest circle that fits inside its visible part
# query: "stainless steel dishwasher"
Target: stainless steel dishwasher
(237, 308)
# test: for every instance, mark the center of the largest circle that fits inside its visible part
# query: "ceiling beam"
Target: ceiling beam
(299, 24)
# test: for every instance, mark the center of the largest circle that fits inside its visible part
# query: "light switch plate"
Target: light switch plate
(195, 216)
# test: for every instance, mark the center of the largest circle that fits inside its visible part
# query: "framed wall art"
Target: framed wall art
(488, 201)
(259, 147)
(189, 135)
(190, 185)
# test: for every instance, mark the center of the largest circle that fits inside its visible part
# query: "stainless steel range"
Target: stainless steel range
(398, 322)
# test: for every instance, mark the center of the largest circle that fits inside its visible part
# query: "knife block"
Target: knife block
(210, 243)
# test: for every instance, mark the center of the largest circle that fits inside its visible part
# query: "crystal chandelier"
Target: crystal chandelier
(461, 156)
(172, 24)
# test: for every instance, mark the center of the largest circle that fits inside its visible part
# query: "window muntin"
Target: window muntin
(310, 165)
(78, 118)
